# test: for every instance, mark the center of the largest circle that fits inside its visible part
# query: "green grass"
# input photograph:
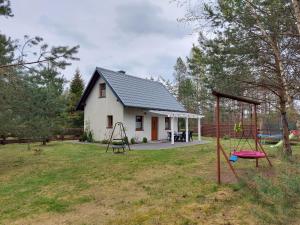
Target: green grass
(82, 184)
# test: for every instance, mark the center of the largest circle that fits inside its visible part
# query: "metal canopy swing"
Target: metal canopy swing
(118, 143)
(252, 153)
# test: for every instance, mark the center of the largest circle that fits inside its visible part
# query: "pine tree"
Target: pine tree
(185, 88)
(180, 70)
(8, 80)
(256, 44)
(188, 95)
(31, 100)
(41, 105)
(75, 92)
(77, 85)
(5, 9)
(196, 65)
(180, 74)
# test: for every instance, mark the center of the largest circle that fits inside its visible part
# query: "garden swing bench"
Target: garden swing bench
(256, 152)
(118, 144)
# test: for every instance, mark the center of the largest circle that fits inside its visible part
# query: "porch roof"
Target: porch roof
(176, 114)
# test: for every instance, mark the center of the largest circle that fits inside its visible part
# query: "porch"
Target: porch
(172, 115)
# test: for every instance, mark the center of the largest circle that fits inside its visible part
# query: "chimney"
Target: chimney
(122, 71)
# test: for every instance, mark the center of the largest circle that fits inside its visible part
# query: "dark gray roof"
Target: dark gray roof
(137, 92)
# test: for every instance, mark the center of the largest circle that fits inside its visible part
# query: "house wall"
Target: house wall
(129, 123)
(97, 109)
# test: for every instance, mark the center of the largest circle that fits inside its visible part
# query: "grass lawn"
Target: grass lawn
(81, 184)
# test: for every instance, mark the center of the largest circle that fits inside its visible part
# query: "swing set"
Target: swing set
(239, 151)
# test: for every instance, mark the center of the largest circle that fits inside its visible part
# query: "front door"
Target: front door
(154, 128)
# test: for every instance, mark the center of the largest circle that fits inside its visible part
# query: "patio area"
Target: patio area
(158, 145)
(186, 134)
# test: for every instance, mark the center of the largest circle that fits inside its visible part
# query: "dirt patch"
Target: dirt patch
(149, 174)
(206, 214)
(90, 213)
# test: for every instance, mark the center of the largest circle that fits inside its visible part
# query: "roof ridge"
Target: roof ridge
(145, 79)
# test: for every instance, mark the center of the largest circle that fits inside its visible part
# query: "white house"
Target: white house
(145, 107)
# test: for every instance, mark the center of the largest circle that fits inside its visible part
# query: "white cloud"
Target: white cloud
(145, 18)
(141, 37)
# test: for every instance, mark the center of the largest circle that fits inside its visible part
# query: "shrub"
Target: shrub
(90, 136)
(126, 140)
(87, 136)
(132, 141)
(226, 137)
(83, 137)
(105, 141)
(145, 140)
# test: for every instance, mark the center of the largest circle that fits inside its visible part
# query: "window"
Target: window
(139, 123)
(109, 121)
(102, 90)
(167, 123)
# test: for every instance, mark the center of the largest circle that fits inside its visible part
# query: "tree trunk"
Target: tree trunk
(296, 5)
(287, 150)
(44, 141)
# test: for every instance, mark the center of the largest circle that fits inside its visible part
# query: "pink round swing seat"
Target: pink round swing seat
(248, 154)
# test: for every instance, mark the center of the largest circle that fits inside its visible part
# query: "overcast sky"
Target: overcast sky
(141, 37)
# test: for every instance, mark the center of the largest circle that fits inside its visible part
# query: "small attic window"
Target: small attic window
(102, 90)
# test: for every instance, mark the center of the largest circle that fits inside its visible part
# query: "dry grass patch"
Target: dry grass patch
(81, 184)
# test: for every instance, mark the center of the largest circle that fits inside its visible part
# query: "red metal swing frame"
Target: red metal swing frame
(258, 146)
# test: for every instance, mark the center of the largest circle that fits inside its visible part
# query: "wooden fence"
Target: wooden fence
(209, 130)
(67, 134)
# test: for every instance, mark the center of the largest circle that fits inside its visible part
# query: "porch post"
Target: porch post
(186, 129)
(199, 128)
(172, 130)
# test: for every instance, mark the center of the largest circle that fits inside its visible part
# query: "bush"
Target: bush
(90, 136)
(132, 141)
(145, 140)
(105, 141)
(87, 136)
(126, 140)
(226, 137)
(83, 137)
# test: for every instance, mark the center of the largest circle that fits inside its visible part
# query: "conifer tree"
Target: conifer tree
(75, 92)
(31, 99)
(5, 9)
(42, 112)
(185, 87)
(196, 67)
(180, 74)
(77, 85)
(256, 44)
